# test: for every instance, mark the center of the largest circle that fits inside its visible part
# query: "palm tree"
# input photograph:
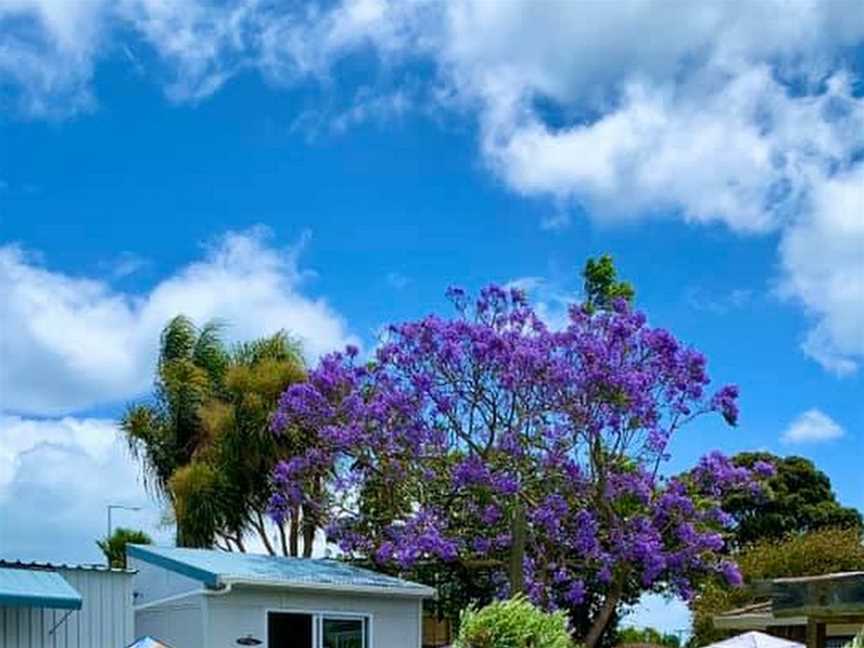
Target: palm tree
(114, 547)
(204, 440)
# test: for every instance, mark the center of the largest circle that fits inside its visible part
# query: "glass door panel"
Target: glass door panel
(343, 633)
(289, 630)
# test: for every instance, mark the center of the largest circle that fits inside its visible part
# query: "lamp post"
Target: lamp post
(119, 507)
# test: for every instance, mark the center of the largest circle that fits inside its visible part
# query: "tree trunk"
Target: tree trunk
(518, 532)
(308, 535)
(283, 540)
(261, 527)
(604, 615)
(294, 535)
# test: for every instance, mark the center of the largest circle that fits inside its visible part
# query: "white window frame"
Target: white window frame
(318, 617)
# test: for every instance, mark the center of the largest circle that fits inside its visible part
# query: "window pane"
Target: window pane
(344, 633)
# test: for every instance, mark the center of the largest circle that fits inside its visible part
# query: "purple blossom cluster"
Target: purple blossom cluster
(459, 427)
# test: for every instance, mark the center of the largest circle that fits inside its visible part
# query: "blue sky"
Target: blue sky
(329, 171)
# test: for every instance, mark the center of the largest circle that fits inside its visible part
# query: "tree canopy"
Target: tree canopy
(203, 439)
(646, 636)
(818, 552)
(114, 547)
(492, 442)
(797, 499)
(602, 287)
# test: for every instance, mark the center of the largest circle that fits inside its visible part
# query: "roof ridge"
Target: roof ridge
(38, 565)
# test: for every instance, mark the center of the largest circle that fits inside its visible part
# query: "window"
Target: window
(316, 630)
(343, 633)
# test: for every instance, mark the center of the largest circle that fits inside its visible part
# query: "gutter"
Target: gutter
(418, 592)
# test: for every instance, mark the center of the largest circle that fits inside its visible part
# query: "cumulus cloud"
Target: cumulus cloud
(813, 426)
(69, 343)
(823, 260)
(73, 468)
(739, 113)
(550, 300)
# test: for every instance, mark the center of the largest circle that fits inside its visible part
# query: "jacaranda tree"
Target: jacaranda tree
(493, 441)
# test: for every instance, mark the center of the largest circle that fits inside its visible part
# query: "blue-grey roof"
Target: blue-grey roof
(36, 588)
(51, 566)
(218, 568)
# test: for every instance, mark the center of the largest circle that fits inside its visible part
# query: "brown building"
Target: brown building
(821, 611)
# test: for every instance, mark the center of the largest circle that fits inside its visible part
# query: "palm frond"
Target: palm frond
(209, 351)
(280, 346)
(178, 339)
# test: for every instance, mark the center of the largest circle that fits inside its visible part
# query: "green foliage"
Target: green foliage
(602, 287)
(811, 554)
(203, 439)
(513, 624)
(114, 547)
(799, 499)
(650, 636)
(857, 642)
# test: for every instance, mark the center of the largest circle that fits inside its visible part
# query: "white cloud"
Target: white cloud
(739, 113)
(813, 426)
(549, 300)
(72, 468)
(50, 60)
(69, 343)
(668, 615)
(823, 260)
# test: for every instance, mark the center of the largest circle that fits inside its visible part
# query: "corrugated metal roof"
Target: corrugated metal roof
(48, 566)
(37, 588)
(219, 568)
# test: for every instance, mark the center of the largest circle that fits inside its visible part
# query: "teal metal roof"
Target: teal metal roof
(52, 566)
(36, 588)
(218, 568)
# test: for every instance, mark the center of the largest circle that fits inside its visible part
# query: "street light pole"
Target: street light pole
(119, 507)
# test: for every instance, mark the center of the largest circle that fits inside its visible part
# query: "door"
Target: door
(286, 630)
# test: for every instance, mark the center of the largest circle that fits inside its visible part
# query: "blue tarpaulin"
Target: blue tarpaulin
(36, 588)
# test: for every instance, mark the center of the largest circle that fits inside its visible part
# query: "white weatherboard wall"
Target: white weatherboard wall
(217, 621)
(395, 621)
(105, 620)
(180, 612)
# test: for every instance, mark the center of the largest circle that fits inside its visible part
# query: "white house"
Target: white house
(45, 605)
(190, 598)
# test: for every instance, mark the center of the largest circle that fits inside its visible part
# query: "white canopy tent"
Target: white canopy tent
(148, 642)
(756, 639)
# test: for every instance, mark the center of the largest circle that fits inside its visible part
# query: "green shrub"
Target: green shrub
(857, 642)
(513, 624)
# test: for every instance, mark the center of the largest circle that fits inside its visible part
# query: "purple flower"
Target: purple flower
(426, 452)
(731, 573)
(764, 469)
(575, 594)
(725, 401)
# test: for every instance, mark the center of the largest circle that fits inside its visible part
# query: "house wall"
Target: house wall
(395, 621)
(154, 583)
(105, 619)
(179, 623)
